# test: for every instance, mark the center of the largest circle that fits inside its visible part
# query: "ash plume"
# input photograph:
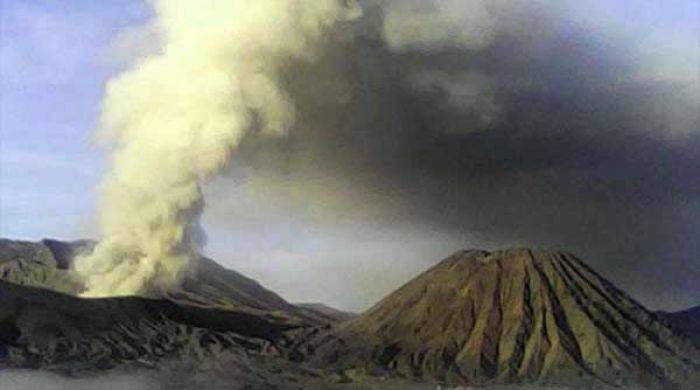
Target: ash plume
(488, 123)
(175, 118)
(540, 123)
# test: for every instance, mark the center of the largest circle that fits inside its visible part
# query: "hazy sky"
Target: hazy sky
(560, 124)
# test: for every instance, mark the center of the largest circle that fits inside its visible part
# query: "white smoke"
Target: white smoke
(438, 24)
(175, 118)
(469, 92)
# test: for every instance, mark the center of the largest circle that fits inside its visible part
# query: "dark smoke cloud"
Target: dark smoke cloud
(531, 130)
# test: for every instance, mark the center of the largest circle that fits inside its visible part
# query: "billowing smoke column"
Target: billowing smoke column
(175, 119)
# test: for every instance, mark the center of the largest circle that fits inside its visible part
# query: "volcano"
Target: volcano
(46, 264)
(517, 316)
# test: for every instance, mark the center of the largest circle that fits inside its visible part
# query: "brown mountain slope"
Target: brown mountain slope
(215, 286)
(509, 317)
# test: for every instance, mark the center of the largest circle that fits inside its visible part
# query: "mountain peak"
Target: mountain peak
(514, 315)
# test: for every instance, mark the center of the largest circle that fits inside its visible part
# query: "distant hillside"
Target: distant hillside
(686, 321)
(46, 263)
(41, 264)
(325, 312)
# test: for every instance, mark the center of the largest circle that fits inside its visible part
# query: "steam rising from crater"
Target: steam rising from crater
(175, 118)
